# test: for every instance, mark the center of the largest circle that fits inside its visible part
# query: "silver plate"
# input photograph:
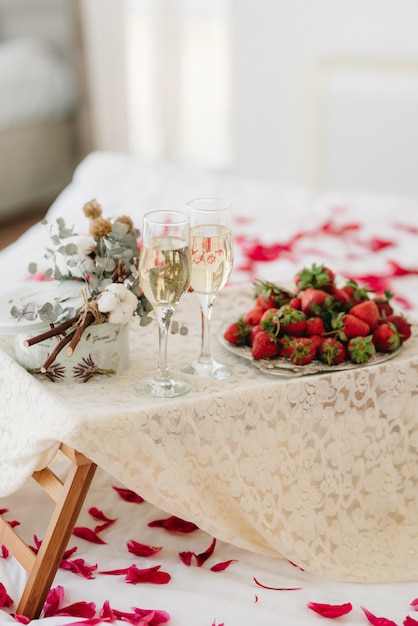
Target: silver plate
(279, 366)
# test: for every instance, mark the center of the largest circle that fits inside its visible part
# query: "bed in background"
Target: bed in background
(277, 230)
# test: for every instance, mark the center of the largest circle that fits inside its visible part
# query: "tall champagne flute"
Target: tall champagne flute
(164, 275)
(212, 259)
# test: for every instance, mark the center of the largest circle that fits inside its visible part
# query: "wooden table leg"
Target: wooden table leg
(69, 497)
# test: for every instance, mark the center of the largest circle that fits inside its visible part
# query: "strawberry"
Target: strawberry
(361, 349)
(312, 300)
(269, 295)
(318, 341)
(384, 305)
(254, 330)
(331, 351)
(368, 311)
(270, 321)
(238, 333)
(292, 321)
(340, 294)
(316, 276)
(253, 316)
(295, 303)
(386, 337)
(285, 346)
(302, 350)
(354, 292)
(347, 326)
(402, 325)
(264, 346)
(314, 326)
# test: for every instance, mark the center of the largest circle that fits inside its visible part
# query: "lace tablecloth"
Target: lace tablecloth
(321, 470)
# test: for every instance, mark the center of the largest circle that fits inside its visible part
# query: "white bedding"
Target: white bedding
(358, 235)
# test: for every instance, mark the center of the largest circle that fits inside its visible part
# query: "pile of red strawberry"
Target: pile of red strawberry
(319, 320)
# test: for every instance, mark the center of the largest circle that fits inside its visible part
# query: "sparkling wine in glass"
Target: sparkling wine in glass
(212, 260)
(164, 275)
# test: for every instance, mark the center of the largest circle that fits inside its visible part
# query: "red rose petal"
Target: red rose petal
(220, 567)
(99, 515)
(69, 553)
(378, 621)
(276, 588)
(203, 556)
(22, 619)
(78, 566)
(140, 549)
(128, 495)
(148, 575)
(330, 610)
(186, 557)
(87, 534)
(53, 601)
(174, 524)
(78, 609)
(5, 599)
(410, 621)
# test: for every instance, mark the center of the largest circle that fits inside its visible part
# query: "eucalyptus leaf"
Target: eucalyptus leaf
(145, 321)
(70, 249)
(118, 250)
(48, 307)
(32, 268)
(30, 311)
(120, 228)
(14, 312)
(109, 265)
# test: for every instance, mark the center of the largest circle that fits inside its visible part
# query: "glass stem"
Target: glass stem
(206, 305)
(164, 315)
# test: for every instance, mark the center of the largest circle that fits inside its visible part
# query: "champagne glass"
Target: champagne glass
(212, 259)
(164, 275)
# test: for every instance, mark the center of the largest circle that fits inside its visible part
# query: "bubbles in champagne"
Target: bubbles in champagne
(212, 257)
(165, 270)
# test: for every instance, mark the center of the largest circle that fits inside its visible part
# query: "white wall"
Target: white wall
(321, 93)
(299, 115)
(104, 37)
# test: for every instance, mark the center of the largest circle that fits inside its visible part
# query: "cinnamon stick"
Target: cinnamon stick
(52, 332)
(56, 351)
(89, 319)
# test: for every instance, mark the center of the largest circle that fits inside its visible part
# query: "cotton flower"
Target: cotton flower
(77, 257)
(118, 302)
(123, 293)
(121, 315)
(107, 302)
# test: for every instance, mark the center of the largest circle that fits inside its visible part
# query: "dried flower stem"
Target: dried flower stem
(52, 332)
(56, 351)
(88, 319)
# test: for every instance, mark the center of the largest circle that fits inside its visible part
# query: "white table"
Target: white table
(333, 487)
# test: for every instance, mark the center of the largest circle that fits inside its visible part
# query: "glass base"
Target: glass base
(210, 369)
(168, 389)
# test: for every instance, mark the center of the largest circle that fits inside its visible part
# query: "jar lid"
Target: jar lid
(67, 293)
